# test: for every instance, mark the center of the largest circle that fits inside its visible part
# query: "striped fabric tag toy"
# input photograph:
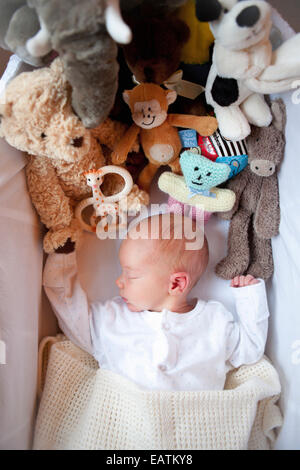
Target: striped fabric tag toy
(217, 149)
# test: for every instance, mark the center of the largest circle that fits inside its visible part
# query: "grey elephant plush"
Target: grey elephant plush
(84, 34)
(18, 23)
(255, 217)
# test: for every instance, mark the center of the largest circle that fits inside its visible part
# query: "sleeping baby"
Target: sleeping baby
(152, 333)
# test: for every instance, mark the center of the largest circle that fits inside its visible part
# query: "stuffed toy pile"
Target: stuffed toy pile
(37, 118)
(122, 82)
(84, 34)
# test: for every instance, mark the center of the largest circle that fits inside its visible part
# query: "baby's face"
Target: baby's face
(144, 283)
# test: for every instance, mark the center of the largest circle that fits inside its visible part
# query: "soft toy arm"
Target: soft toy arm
(122, 149)
(204, 125)
(239, 64)
(237, 185)
(267, 216)
(111, 133)
(48, 197)
(176, 167)
(231, 64)
(262, 57)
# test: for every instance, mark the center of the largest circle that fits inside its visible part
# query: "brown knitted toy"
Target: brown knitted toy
(255, 217)
(37, 117)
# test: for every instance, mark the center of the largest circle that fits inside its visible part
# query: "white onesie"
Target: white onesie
(160, 350)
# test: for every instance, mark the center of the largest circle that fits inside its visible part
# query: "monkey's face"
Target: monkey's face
(148, 114)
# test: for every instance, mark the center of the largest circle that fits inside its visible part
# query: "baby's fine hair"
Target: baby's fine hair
(179, 241)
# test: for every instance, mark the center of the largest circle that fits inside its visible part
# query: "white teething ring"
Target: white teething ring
(117, 170)
(78, 214)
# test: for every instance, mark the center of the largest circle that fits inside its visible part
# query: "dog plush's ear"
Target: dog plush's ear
(208, 10)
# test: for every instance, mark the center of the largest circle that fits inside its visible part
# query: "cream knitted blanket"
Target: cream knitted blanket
(84, 407)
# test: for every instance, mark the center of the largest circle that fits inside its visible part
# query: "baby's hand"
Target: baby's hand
(243, 281)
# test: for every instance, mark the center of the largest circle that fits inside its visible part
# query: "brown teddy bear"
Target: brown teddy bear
(255, 217)
(37, 117)
(155, 53)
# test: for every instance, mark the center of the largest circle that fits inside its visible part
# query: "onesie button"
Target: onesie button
(162, 367)
(166, 326)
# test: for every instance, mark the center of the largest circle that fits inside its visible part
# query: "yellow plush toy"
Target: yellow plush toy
(196, 49)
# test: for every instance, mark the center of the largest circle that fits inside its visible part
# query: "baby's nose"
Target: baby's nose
(119, 283)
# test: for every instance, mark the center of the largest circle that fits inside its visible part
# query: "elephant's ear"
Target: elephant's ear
(126, 97)
(279, 114)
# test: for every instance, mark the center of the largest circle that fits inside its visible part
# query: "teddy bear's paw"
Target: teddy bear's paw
(229, 268)
(117, 158)
(212, 125)
(175, 167)
(260, 270)
(57, 238)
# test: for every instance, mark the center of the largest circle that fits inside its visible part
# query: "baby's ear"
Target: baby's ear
(171, 96)
(126, 97)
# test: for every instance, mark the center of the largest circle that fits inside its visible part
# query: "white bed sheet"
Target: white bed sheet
(283, 347)
(20, 294)
(25, 315)
(21, 300)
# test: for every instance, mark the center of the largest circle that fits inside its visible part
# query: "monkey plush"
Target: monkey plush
(157, 130)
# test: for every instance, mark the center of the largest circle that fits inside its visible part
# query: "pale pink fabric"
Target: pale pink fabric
(21, 301)
(197, 214)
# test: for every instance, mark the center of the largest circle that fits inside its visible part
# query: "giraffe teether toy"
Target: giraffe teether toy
(105, 206)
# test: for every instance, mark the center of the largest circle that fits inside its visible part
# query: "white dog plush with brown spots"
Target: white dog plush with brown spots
(244, 65)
